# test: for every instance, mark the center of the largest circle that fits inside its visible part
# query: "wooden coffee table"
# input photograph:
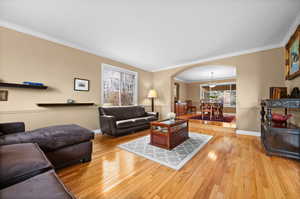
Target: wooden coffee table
(168, 134)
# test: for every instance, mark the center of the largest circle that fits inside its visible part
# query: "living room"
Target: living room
(88, 102)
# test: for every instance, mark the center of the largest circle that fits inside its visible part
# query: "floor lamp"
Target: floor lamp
(152, 94)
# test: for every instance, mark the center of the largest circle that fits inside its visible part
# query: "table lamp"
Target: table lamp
(152, 94)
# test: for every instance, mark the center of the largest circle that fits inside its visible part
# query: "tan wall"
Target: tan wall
(182, 90)
(27, 58)
(193, 93)
(256, 72)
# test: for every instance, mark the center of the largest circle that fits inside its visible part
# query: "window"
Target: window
(223, 93)
(119, 86)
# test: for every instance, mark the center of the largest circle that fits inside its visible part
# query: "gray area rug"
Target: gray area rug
(175, 158)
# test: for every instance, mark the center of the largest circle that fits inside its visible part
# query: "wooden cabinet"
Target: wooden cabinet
(180, 108)
(280, 139)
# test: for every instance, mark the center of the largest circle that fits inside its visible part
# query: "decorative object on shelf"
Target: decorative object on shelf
(33, 83)
(280, 118)
(295, 93)
(14, 85)
(152, 94)
(171, 116)
(3, 95)
(280, 138)
(81, 84)
(70, 101)
(278, 92)
(292, 56)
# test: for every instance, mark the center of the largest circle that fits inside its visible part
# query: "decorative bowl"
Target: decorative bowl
(280, 118)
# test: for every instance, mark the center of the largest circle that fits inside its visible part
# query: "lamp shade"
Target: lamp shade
(152, 94)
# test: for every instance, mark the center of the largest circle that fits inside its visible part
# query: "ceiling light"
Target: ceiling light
(211, 85)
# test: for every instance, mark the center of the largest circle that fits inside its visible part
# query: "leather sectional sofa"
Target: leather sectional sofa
(120, 120)
(26, 173)
(28, 159)
(62, 144)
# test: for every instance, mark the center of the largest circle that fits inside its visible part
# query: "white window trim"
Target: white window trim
(118, 69)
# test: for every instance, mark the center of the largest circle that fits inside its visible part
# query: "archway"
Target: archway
(200, 83)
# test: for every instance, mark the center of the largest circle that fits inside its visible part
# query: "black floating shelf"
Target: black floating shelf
(64, 104)
(13, 85)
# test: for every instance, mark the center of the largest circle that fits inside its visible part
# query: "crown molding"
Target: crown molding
(180, 80)
(213, 81)
(289, 33)
(47, 37)
(291, 30)
(78, 47)
(41, 35)
(243, 52)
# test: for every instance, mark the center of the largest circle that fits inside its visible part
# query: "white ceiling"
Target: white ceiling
(155, 34)
(203, 73)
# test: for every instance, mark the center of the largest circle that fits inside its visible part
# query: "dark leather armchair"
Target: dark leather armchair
(63, 144)
(122, 120)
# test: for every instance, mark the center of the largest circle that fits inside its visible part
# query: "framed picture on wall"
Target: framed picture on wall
(3, 95)
(81, 84)
(292, 56)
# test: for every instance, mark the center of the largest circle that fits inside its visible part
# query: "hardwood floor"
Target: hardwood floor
(223, 126)
(229, 166)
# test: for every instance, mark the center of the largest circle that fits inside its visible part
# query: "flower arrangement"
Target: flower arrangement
(171, 115)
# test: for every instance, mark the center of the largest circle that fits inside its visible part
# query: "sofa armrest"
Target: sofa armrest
(156, 114)
(13, 127)
(15, 138)
(108, 124)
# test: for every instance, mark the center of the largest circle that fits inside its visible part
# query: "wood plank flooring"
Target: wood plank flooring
(229, 166)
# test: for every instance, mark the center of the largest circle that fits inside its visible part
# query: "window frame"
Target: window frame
(118, 69)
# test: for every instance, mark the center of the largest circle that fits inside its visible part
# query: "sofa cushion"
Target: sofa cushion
(125, 123)
(45, 185)
(123, 112)
(140, 121)
(21, 161)
(151, 118)
(51, 138)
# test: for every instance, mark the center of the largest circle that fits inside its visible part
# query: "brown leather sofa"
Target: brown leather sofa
(120, 120)
(63, 145)
(26, 173)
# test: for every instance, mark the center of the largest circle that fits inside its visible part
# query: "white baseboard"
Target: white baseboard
(97, 131)
(252, 133)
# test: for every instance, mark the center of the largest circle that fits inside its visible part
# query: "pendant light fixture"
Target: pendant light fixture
(212, 85)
